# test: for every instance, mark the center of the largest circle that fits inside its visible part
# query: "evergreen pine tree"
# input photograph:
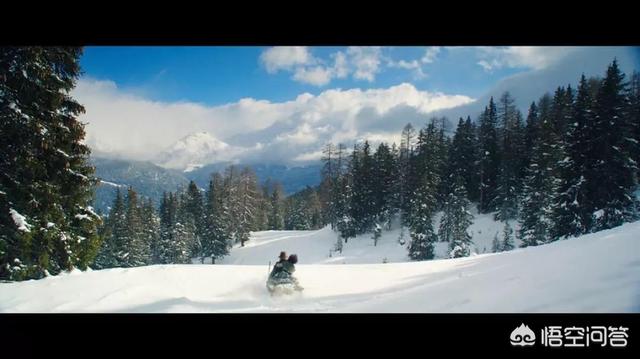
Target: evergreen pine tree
(489, 158)
(276, 220)
(507, 237)
(496, 245)
(151, 233)
(511, 159)
(610, 180)
(217, 239)
(46, 181)
(424, 200)
(463, 157)
(456, 221)
(406, 180)
(113, 232)
(571, 215)
(132, 244)
(194, 210)
(540, 183)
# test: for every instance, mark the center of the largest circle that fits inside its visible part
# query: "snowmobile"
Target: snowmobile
(281, 280)
(283, 283)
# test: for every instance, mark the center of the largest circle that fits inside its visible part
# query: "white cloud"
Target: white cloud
(341, 65)
(124, 125)
(532, 57)
(415, 66)
(366, 60)
(317, 76)
(285, 57)
(430, 54)
(363, 63)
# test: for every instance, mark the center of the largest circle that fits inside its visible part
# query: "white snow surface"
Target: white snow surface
(599, 272)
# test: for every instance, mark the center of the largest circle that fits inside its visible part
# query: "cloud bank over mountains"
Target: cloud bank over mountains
(123, 125)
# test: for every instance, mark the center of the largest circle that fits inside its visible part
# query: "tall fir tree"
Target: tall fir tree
(194, 211)
(489, 158)
(424, 199)
(540, 184)
(512, 157)
(405, 183)
(384, 174)
(217, 239)
(456, 220)
(463, 158)
(571, 215)
(276, 198)
(610, 178)
(114, 229)
(150, 232)
(133, 245)
(507, 237)
(46, 181)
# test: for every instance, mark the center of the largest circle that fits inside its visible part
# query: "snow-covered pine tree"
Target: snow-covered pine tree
(297, 218)
(633, 119)
(507, 237)
(133, 248)
(511, 141)
(247, 198)
(405, 173)
(442, 145)
(456, 220)
(276, 218)
(531, 135)
(424, 200)
(183, 231)
(571, 215)
(217, 238)
(463, 157)
(174, 234)
(489, 157)
(363, 196)
(194, 209)
(327, 188)
(610, 181)
(496, 245)
(540, 181)
(112, 232)
(345, 225)
(384, 176)
(151, 232)
(166, 221)
(46, 181)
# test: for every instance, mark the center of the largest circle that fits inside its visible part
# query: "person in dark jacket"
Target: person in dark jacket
(281, 264)
(283, 269)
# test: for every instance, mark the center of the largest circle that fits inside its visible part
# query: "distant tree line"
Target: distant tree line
(200, 224)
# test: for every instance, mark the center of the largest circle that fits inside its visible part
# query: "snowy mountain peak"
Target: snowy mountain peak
(196, 150)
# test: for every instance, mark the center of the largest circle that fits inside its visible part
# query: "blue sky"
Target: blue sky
(218, 75)
(282, 104)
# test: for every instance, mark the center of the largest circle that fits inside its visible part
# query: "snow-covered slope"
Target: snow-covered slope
(599, 272)
(315, 247)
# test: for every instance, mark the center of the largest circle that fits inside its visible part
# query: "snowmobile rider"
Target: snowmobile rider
(284, 265)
